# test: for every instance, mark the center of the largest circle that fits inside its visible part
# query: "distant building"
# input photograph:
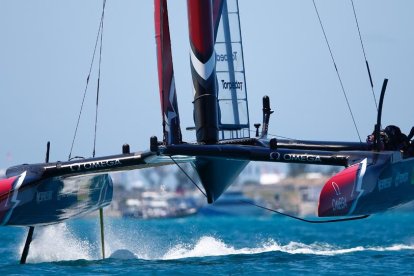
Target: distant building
(260, 173)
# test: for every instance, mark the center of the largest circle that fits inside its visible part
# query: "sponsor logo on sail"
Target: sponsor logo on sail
(225, 57)
(232, 84)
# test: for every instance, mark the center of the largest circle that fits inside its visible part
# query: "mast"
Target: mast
(216, 174)
(203, 62)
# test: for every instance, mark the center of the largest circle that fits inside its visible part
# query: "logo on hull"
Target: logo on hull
(95, 165)
(339, 204)
(336, 188)
(295, 157)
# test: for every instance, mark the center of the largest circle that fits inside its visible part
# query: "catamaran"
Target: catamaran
(376, 177)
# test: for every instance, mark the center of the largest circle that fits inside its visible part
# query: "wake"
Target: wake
(57, 243)
(209, 246)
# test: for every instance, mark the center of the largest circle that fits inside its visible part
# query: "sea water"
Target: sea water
(380, 244)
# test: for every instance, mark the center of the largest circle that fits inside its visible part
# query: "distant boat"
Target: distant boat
(153, 205)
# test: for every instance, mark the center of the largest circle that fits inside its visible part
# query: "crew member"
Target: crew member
(393, 139)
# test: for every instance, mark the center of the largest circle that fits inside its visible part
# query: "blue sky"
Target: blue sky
(46, 48)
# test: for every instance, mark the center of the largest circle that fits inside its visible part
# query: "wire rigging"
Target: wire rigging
(336, 69)
(186, 174)
(271, 210)
(99, 79)
(274, 135)
(302, 219)
(365, 56)
(87, 79)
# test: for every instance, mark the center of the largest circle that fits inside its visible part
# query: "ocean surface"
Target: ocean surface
(381, 244)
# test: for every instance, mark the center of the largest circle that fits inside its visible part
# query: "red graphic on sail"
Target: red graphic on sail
(168, 96)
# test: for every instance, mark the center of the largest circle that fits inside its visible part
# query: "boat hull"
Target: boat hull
(368, 187)
(28, 202)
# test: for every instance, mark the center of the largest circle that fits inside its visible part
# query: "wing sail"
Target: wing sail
(168, 95)
(231, 80)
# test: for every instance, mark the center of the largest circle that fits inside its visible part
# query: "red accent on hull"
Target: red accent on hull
(337, 195)
(200, 22)
(6, 185)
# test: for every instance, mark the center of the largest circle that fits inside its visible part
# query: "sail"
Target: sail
(217, 10)
(230, 72)
(203, 61)
(168, 96)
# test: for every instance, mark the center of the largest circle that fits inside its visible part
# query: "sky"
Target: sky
(46, 48)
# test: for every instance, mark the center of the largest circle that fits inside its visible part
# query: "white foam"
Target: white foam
(206, 246)
(57, 243)
(209, 246)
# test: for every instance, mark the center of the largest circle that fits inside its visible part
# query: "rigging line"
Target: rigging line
(274, 135)
(86, 87)
(186, 174)
(365, 56)
(271, 210)
(280, 136)
(336, 69)
(302, 219)
(99, 79)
